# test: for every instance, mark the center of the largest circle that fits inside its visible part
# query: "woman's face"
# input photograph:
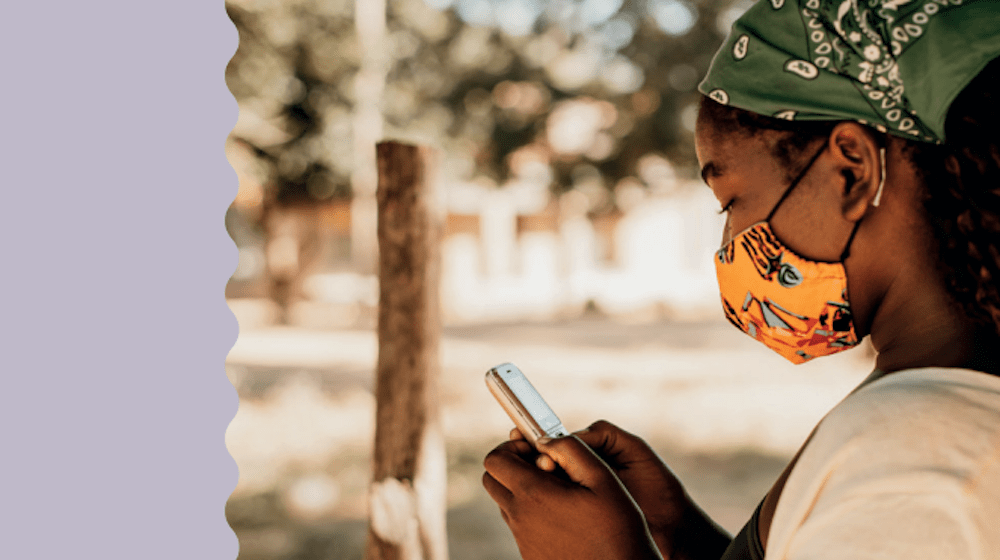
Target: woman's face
(748, 182)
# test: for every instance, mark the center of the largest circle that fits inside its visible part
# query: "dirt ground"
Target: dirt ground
(724, 412)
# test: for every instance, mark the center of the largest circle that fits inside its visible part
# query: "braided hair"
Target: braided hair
(961, 180)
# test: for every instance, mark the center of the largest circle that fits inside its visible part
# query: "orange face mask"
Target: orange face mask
(795, 306)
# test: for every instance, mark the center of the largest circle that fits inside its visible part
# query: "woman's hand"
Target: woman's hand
(586, 514)
(679, 527)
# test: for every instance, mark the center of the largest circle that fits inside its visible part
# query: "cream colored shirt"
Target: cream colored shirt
(905, 468)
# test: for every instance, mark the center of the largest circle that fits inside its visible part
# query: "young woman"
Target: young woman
(855, 147)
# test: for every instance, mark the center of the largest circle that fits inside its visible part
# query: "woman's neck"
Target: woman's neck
(920, 325)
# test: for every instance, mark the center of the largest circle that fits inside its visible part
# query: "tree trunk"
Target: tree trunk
(407, 496)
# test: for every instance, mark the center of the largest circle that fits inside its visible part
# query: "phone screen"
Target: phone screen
(529, 397)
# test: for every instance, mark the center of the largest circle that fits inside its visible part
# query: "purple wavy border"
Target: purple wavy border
(115, 326)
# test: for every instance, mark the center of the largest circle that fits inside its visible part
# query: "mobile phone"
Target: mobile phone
(523, 403)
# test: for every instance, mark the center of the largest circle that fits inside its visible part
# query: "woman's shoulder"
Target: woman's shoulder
(930, 420)
(910, 460)
(916, 407)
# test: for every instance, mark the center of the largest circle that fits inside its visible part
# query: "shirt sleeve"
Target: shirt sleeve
(896, 471)
(885, 525)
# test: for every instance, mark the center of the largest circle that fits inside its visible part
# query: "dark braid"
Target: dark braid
(961, 177)
(963, 184)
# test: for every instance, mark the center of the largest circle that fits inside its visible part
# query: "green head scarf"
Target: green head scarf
(895, 65)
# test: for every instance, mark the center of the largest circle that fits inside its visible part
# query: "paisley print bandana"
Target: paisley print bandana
(894, 65)
(794, 306)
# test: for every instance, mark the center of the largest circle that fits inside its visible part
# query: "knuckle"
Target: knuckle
(513, 517)
(518, 447)
(491, 458)
(562, 447)
(529, 492)
(602, 426)
(628, 437)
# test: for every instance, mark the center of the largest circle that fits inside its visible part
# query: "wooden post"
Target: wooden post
(407, 498)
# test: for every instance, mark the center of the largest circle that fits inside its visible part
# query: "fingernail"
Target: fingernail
(583, 431)
(544, 440)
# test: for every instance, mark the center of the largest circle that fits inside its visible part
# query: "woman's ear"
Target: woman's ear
(857, 157)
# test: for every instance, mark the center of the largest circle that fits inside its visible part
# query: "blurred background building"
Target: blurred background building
(578, 244)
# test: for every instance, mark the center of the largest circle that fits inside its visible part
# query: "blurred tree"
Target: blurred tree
(443, 79)
(492, 82)
(284, 74)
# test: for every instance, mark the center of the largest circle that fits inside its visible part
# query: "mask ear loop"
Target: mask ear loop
(881, 183)
(875, 202)
(795, 182)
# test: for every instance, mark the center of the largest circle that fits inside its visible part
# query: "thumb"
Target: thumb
(603, 441)
(579, 461)
(615, 446)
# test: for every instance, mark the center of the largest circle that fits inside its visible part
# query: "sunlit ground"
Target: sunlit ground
(723, 411)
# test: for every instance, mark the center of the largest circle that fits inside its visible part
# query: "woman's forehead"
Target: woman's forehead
(721, 148)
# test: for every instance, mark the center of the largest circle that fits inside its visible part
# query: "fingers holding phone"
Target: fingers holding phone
(588, 515)
(675, 521)
(617, 472)
(542, 460)
(642, 472)
(531, 415)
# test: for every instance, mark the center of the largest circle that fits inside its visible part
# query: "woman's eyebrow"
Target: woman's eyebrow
(710, 169)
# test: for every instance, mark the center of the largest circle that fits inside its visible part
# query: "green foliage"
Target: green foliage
(478, 93)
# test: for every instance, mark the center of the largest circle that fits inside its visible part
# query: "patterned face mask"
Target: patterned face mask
(795, 306)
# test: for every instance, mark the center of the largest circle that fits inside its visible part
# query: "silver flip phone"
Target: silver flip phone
(523, 404)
